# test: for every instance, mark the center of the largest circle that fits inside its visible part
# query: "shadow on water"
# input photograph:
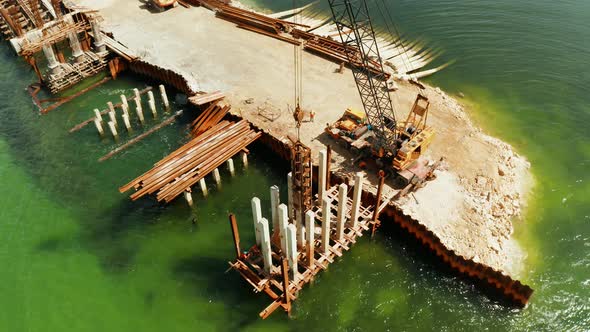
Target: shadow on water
(108, 235)
(208, 277)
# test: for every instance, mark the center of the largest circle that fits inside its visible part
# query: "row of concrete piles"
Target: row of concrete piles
(292, 247)
(188, 196)
(296, 236)
(125, 115)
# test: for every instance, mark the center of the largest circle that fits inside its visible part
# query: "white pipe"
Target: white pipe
(356, 199)
(263, 229)
(322, 175)
(275, 201)
(290, 194)
(217, 177)
(152, 103)
(113, 129)
(326, 216)
(97, 114)
(230, 166)
(292, 251)
(256, 217)
(203, 187)
(283, 222)
(164, 97)
(98, 125)
(341, 218)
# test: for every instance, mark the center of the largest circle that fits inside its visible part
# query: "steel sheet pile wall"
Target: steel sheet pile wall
(165, 75)
(513, 290)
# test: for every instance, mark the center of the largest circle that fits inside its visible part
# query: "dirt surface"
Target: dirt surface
(479, 191)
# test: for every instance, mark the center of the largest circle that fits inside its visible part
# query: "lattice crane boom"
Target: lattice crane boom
(356, 31)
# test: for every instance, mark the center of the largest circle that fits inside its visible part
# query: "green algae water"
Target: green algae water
(75, 255)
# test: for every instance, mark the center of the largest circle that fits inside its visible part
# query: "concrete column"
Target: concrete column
(322, 174)
(217, 177)
(275, 200)
(292, 251)
(164, 98)
(97, 114)
(99, 44)
(341, 218)
(137, 95)
(113, 129)
(356, 199)
(244, 159)
(290, 194)
(283, 222)
(152, 103)
(125, 110)
(230, 166)
(110, 106)
(300, 230)
(256, 216)
(113, 117)
(52, 62)
(138, 103)
(203, 187)
(139, 111)
(189, 197)
(264, 231)
(310, 232)
(126, 121)
(326, 219)
(124, 101)
(98, 125)
(75, 45)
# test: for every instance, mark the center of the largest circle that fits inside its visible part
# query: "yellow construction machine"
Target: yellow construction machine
(395, 146)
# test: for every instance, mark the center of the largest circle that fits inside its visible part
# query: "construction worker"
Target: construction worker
(311, 116)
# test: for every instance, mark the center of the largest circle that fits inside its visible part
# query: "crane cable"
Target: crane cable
(387, 20)
(298, 80)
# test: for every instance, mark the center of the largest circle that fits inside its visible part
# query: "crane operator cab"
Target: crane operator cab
(413, 134)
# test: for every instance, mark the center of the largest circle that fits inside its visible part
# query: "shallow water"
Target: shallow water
(78, 256)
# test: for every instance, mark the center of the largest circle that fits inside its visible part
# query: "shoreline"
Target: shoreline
(476, 161)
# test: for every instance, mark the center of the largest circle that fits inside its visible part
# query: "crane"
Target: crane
(397, 144)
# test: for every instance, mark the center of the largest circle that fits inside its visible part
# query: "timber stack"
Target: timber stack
(183, 168)
(281, 263)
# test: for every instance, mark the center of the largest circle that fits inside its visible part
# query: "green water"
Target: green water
(76, 255)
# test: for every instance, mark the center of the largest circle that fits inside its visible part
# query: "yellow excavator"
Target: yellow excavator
(395, 146)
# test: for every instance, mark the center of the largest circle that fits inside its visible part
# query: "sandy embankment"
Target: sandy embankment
(472, 203)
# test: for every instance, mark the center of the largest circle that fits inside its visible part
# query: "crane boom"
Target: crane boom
(356, 32)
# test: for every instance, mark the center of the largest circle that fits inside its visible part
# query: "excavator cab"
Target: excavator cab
(416, 121)
(414, 135)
